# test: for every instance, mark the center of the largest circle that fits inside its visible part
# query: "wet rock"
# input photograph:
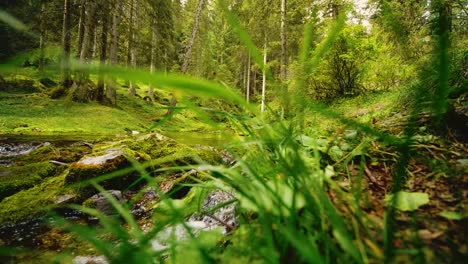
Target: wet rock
(90, 260)
(178, 232)
(102, 204)
(223, 217)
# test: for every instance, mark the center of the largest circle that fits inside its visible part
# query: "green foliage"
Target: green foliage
(342, 70)
(407, 201)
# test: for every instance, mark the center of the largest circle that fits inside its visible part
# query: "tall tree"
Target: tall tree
(133, 41)
(66, 45)
(264, 72)
(81, 27)
(188, 51)
(283, 42)
(103, 53)
(111, 94)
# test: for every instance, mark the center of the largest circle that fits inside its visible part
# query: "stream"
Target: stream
(27, 233)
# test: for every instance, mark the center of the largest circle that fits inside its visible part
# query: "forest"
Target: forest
(233, 131)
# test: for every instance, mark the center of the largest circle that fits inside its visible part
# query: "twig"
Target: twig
(58, 163)
(228, 226)
(372, 179)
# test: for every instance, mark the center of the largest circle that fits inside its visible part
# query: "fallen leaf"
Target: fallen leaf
(407, 201)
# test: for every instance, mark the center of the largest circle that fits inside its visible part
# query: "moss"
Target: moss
(32, 202)
(48, 152)
(17, 178)
(90, 203)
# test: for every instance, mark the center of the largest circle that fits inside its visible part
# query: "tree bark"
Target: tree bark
(247, 90)
(88, 33)
(103, 53)
(264, 76)
(81, 27)
(133, 51)
(188, 51)
(153, 51)
(283, 42)
(111, 93)
(66, 45)
(42, 39)
(189, 47)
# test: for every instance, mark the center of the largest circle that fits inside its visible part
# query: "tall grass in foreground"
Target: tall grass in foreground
(290, 208)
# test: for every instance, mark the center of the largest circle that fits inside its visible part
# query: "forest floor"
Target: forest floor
(437, 165)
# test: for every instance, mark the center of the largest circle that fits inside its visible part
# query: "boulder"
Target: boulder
(91, 167)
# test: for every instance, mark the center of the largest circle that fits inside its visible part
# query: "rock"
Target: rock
(178, 232)
(102, 204)
(223, 217)
(109, 155)
(89, 167)
(90, 260)
(65, 199)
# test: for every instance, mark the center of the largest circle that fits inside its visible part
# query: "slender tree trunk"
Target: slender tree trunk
(95, 41)
(66, 45)
(114, 46)
(247, 90)
(133, 51)
(130, 36)
(189, 47)
(111, 93)
(42, 39)
(188, 51)
(153, 52)
(103, 54)
(264, 76)
(283, 42)
(81, 27)
(88, 33)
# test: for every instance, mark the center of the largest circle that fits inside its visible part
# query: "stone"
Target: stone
(102, 204)
(65, 199)
(109, 155)
(223, 217)
(90, 260)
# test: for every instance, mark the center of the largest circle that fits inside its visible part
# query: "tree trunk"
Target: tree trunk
(133, 52)
(264, 76)
(153, 52)
(66, 45)
(81, 27)
(247, 90)
(283, 42)
(188, 51)
(111, 93)
(103, 54)
(42, 39)
(88, 32)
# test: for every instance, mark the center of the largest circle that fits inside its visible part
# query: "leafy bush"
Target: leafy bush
(342, 69)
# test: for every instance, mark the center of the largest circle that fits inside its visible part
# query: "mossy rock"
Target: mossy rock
(102, 163)
(115, 158)
(20, 86)
(48, 152)
(16, 178)
(34, 201)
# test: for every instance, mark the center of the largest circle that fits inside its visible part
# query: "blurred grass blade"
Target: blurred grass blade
(12, 21)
